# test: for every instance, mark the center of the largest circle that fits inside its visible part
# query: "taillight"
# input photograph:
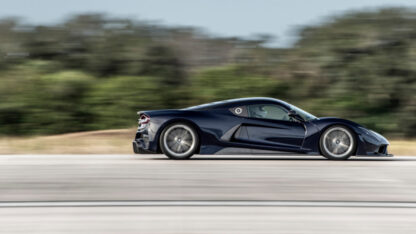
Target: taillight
(143, 121)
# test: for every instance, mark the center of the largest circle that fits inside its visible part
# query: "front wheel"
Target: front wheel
(337, 142)
(179, 141)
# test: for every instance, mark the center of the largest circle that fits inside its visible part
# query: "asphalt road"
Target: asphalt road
(215, 194)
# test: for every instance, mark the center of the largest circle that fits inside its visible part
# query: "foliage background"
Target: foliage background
(95, 72)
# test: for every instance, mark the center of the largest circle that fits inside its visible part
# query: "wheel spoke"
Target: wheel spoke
(344, 146)
(187, 143)
(179, 148)
(336, 149)
(171, 143)
(184, 133)
(170, 137)
(186, 136)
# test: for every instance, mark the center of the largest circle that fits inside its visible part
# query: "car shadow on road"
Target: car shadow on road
(287, 158)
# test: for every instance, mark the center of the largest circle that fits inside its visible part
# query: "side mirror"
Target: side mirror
(295, 115)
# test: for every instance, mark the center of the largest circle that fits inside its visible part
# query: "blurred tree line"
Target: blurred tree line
(95, 72)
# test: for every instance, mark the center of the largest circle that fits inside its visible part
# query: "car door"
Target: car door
(270, 125)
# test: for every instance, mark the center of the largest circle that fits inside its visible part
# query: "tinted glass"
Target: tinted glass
(305, 115)
(267, 111)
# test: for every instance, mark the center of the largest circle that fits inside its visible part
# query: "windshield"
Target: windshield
(305, 115)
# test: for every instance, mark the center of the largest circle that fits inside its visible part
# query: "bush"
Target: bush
(228, 82)
(115, 101)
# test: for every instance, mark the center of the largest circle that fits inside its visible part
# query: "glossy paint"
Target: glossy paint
(219, 128)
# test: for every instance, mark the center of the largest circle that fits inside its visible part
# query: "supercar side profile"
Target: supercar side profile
(252, 126)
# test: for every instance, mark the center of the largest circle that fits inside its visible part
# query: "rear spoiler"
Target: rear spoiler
(152, 112)
(148, 113)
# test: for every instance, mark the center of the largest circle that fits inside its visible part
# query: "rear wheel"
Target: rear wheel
(179, 141)
(337, 142)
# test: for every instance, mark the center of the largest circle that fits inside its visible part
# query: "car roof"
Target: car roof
(239, 102)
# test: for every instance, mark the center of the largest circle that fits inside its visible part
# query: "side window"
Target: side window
(268, 111)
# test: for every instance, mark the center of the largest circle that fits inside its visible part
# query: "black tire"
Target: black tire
(179, 141)
(337, 143)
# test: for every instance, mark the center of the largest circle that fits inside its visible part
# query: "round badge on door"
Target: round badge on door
(238, 110)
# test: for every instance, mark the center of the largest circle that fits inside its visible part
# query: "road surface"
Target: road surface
(215, 194)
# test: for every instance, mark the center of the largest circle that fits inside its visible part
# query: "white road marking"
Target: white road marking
(362, 204)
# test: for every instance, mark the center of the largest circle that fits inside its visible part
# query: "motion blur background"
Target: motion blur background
(74, 73)
(91, 65)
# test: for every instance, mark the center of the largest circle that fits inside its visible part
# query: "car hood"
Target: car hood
(335, 120)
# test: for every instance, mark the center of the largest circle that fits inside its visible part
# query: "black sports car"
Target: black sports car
(254, 126)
